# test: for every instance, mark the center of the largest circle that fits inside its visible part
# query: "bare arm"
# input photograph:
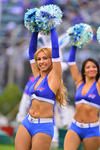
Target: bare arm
(72, 65)
(75, 74)
(35, 70)
(98, 86)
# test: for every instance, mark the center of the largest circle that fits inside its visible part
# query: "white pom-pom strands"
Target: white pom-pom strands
(79, 34)
(48, 17)
(98, 34)
(43, 19)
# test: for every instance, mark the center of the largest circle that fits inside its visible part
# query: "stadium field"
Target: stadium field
(6, 147)
(11, 147)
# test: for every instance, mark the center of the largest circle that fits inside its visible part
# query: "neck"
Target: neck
(90, 80)
(44, 73)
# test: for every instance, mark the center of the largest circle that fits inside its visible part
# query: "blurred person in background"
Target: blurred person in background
(37, 129)
(85, 124)
(25, 103)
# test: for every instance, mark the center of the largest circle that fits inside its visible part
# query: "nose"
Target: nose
(92, 68)
(41, 60)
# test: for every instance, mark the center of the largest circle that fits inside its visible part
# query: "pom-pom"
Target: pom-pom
(48, 17)
(98, 34)
(30, 21)
(79, 34)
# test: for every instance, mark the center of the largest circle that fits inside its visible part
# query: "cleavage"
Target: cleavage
(38, 83)
(85, 89)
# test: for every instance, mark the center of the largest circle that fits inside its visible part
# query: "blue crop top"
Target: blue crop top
(42, 92)
(91, 98)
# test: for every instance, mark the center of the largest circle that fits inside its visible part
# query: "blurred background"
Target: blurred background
(15, 67)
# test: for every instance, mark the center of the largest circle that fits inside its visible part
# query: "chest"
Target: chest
(86, 89)
(39, 82)
(89, 93)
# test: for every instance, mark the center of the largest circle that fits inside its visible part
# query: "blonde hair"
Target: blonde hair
(62, 91)
(62, 94)
(46, 50)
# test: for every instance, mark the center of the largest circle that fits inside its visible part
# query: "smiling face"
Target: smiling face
(43, 61)
(90, 69)
(92, 65)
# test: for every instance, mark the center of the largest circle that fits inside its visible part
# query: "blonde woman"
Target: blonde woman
(37, 129)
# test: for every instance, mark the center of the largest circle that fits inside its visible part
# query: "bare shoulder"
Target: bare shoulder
(98, 86)
(78, 83)
(53, 81)
(98, 82)
(53, 76)
(35, 70)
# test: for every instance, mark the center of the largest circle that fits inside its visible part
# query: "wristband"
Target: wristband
(33, 46)
(72, 55)
(55, 46)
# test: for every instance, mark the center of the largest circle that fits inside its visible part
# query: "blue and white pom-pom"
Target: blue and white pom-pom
(30, 21)
(98, 34)
(48, 17)
(79, 34)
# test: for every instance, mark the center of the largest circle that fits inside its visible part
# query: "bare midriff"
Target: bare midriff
(86, 114)
(40, 109)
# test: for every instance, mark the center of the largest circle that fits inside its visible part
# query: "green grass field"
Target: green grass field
(11, 147)
(7, 147)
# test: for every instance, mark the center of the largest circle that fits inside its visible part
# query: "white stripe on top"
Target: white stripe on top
(86, 102)
(42, 99)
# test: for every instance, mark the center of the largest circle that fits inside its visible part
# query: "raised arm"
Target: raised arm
(32, 50)
(55, 53)
(72, 65)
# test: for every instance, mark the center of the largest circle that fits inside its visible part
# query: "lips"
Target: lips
(42, 67)
(92, 72)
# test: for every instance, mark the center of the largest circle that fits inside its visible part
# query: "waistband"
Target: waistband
(85, 125)
(39, 120)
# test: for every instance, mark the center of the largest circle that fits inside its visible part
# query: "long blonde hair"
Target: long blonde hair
(61, 94)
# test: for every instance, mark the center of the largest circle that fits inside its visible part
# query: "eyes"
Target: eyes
(43, 58)
(93, 66)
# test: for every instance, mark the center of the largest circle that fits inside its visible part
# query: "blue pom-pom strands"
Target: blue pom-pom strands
(43, 19)
(98, 34)
(30, 21)
(48, 17)
(79, 34)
